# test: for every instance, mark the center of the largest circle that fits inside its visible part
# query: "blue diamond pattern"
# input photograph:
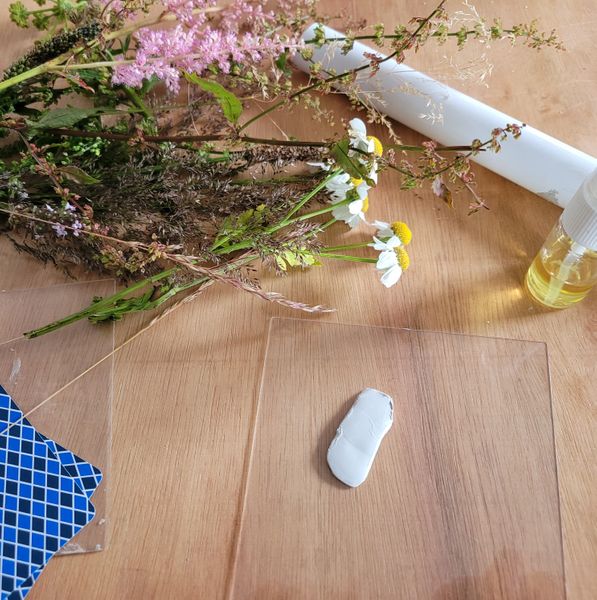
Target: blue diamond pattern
(44, 499)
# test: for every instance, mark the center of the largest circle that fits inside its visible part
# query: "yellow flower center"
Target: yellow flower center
(402, 230)
(403, 258)
(356, 181)
(377, 146)
(365, 204)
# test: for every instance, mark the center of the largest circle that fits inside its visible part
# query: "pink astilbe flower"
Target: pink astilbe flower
(241, 12)
(156, 52)
(243, 36)
(184, 10)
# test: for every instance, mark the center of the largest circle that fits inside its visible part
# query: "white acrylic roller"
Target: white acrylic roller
(536, 161)
(352, 451)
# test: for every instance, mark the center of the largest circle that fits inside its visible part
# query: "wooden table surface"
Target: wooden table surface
(186, 391)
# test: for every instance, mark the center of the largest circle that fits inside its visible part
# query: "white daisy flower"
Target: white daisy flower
(339, 186)
(357, 133)
(353, 213)
(342, 184)
(397, 228)
(391, 275)
(384, 230)
(393, 260)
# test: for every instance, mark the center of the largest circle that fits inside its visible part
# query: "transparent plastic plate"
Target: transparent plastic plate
(61, 382)
(462, 499)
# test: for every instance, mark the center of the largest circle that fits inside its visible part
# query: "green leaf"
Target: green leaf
(78, 175)
(282, 63)
(64, 117)
(349, 164)
(297, 257)
(229, 103)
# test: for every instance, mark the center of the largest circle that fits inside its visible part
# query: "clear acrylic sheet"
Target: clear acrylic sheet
(31, 371)
(461, 501)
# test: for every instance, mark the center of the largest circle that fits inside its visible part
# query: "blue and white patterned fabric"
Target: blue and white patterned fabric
(44, 499)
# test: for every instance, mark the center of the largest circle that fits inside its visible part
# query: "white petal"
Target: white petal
(335, 183)
(340, 179)
(389, 244)
(360, 143)
(355, 220)
(341, 213)
(339, 186)
(391, 276)
(379, 245)
(363, 190)
(383, 229)
(373, 173)
(357, 126)
(386, 260)
(355, 207)
(394, 241)
(320, 165)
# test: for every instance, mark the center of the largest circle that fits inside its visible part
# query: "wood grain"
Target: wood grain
(185, 392)
(462, 499)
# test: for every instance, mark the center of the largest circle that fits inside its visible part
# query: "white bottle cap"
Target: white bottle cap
(579, 218)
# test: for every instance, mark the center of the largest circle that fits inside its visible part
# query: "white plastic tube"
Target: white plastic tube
(536, 161)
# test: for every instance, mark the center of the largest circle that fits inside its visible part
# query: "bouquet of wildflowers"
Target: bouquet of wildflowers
(127, 145)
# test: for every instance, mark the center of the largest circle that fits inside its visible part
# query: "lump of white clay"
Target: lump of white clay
(357, 440)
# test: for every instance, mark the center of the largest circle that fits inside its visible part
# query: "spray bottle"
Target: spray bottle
(565, 269)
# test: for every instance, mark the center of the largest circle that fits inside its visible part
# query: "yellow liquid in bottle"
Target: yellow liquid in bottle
(562, 273)
(549, 291)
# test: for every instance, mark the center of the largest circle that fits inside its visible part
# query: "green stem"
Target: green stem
(312, 193)
(347, 246)
(175, 290)
(348, 257)
(107, 306)
(138, 102)
(97, 306)
(182, 139)
(321, 211)
(34, 72)
(314, 213)
(275, 142)
(233, 247)
(287, 220)
(394, 36)
(400, 170)
(423, 149)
